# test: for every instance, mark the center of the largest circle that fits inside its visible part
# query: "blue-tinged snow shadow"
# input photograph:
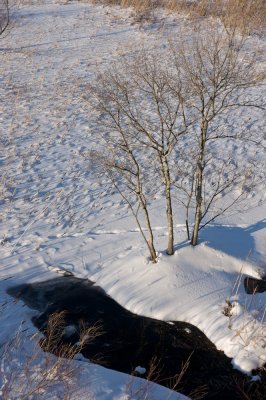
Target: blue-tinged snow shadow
(233, 240)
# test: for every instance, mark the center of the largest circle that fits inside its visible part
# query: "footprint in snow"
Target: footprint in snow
(63, 269)
(60, 270)
(121, 255)
(129, 248)
(51, 251)
(88, 239)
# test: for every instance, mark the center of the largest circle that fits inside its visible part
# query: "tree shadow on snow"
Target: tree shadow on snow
(235, 241)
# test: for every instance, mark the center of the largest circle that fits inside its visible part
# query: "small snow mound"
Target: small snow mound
(140, 370)
(69, 331)
(246, 362)
(255, 378)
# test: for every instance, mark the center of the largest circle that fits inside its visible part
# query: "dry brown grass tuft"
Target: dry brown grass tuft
(31, 371)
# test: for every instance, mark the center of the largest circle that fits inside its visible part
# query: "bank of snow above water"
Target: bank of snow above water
(57, 216)
(195, 285)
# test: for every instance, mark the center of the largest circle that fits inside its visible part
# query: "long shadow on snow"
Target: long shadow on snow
(232, 240)
(129, 340)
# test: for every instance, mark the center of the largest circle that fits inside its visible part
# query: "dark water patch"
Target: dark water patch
(128, 340)
(253, 286)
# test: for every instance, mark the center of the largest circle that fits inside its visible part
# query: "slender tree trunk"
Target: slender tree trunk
(170, 247)
(169, 209)
(143, 204)
(200, 170)
(187, 226)
(150, 241)
(152, 252)
(188, 206)
(195, 234)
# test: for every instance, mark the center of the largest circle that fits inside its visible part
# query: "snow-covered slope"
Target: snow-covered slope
(56, 215)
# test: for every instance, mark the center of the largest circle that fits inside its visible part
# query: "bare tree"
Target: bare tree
(120, 162)
(144, 107)
(219, 81)
(4, 16)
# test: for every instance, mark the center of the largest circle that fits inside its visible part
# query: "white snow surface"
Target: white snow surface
(56, 216)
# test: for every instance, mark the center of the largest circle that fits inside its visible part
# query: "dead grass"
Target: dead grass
(246, 14)
(33, 372)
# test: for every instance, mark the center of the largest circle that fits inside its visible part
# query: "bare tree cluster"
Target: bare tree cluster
(164, 122)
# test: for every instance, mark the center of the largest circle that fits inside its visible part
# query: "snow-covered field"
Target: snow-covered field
(55, 215)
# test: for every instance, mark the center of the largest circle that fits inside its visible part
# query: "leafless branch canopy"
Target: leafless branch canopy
(164, 117)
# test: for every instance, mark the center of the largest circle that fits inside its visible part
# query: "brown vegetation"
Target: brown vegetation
(31, 373)
(247, 14)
